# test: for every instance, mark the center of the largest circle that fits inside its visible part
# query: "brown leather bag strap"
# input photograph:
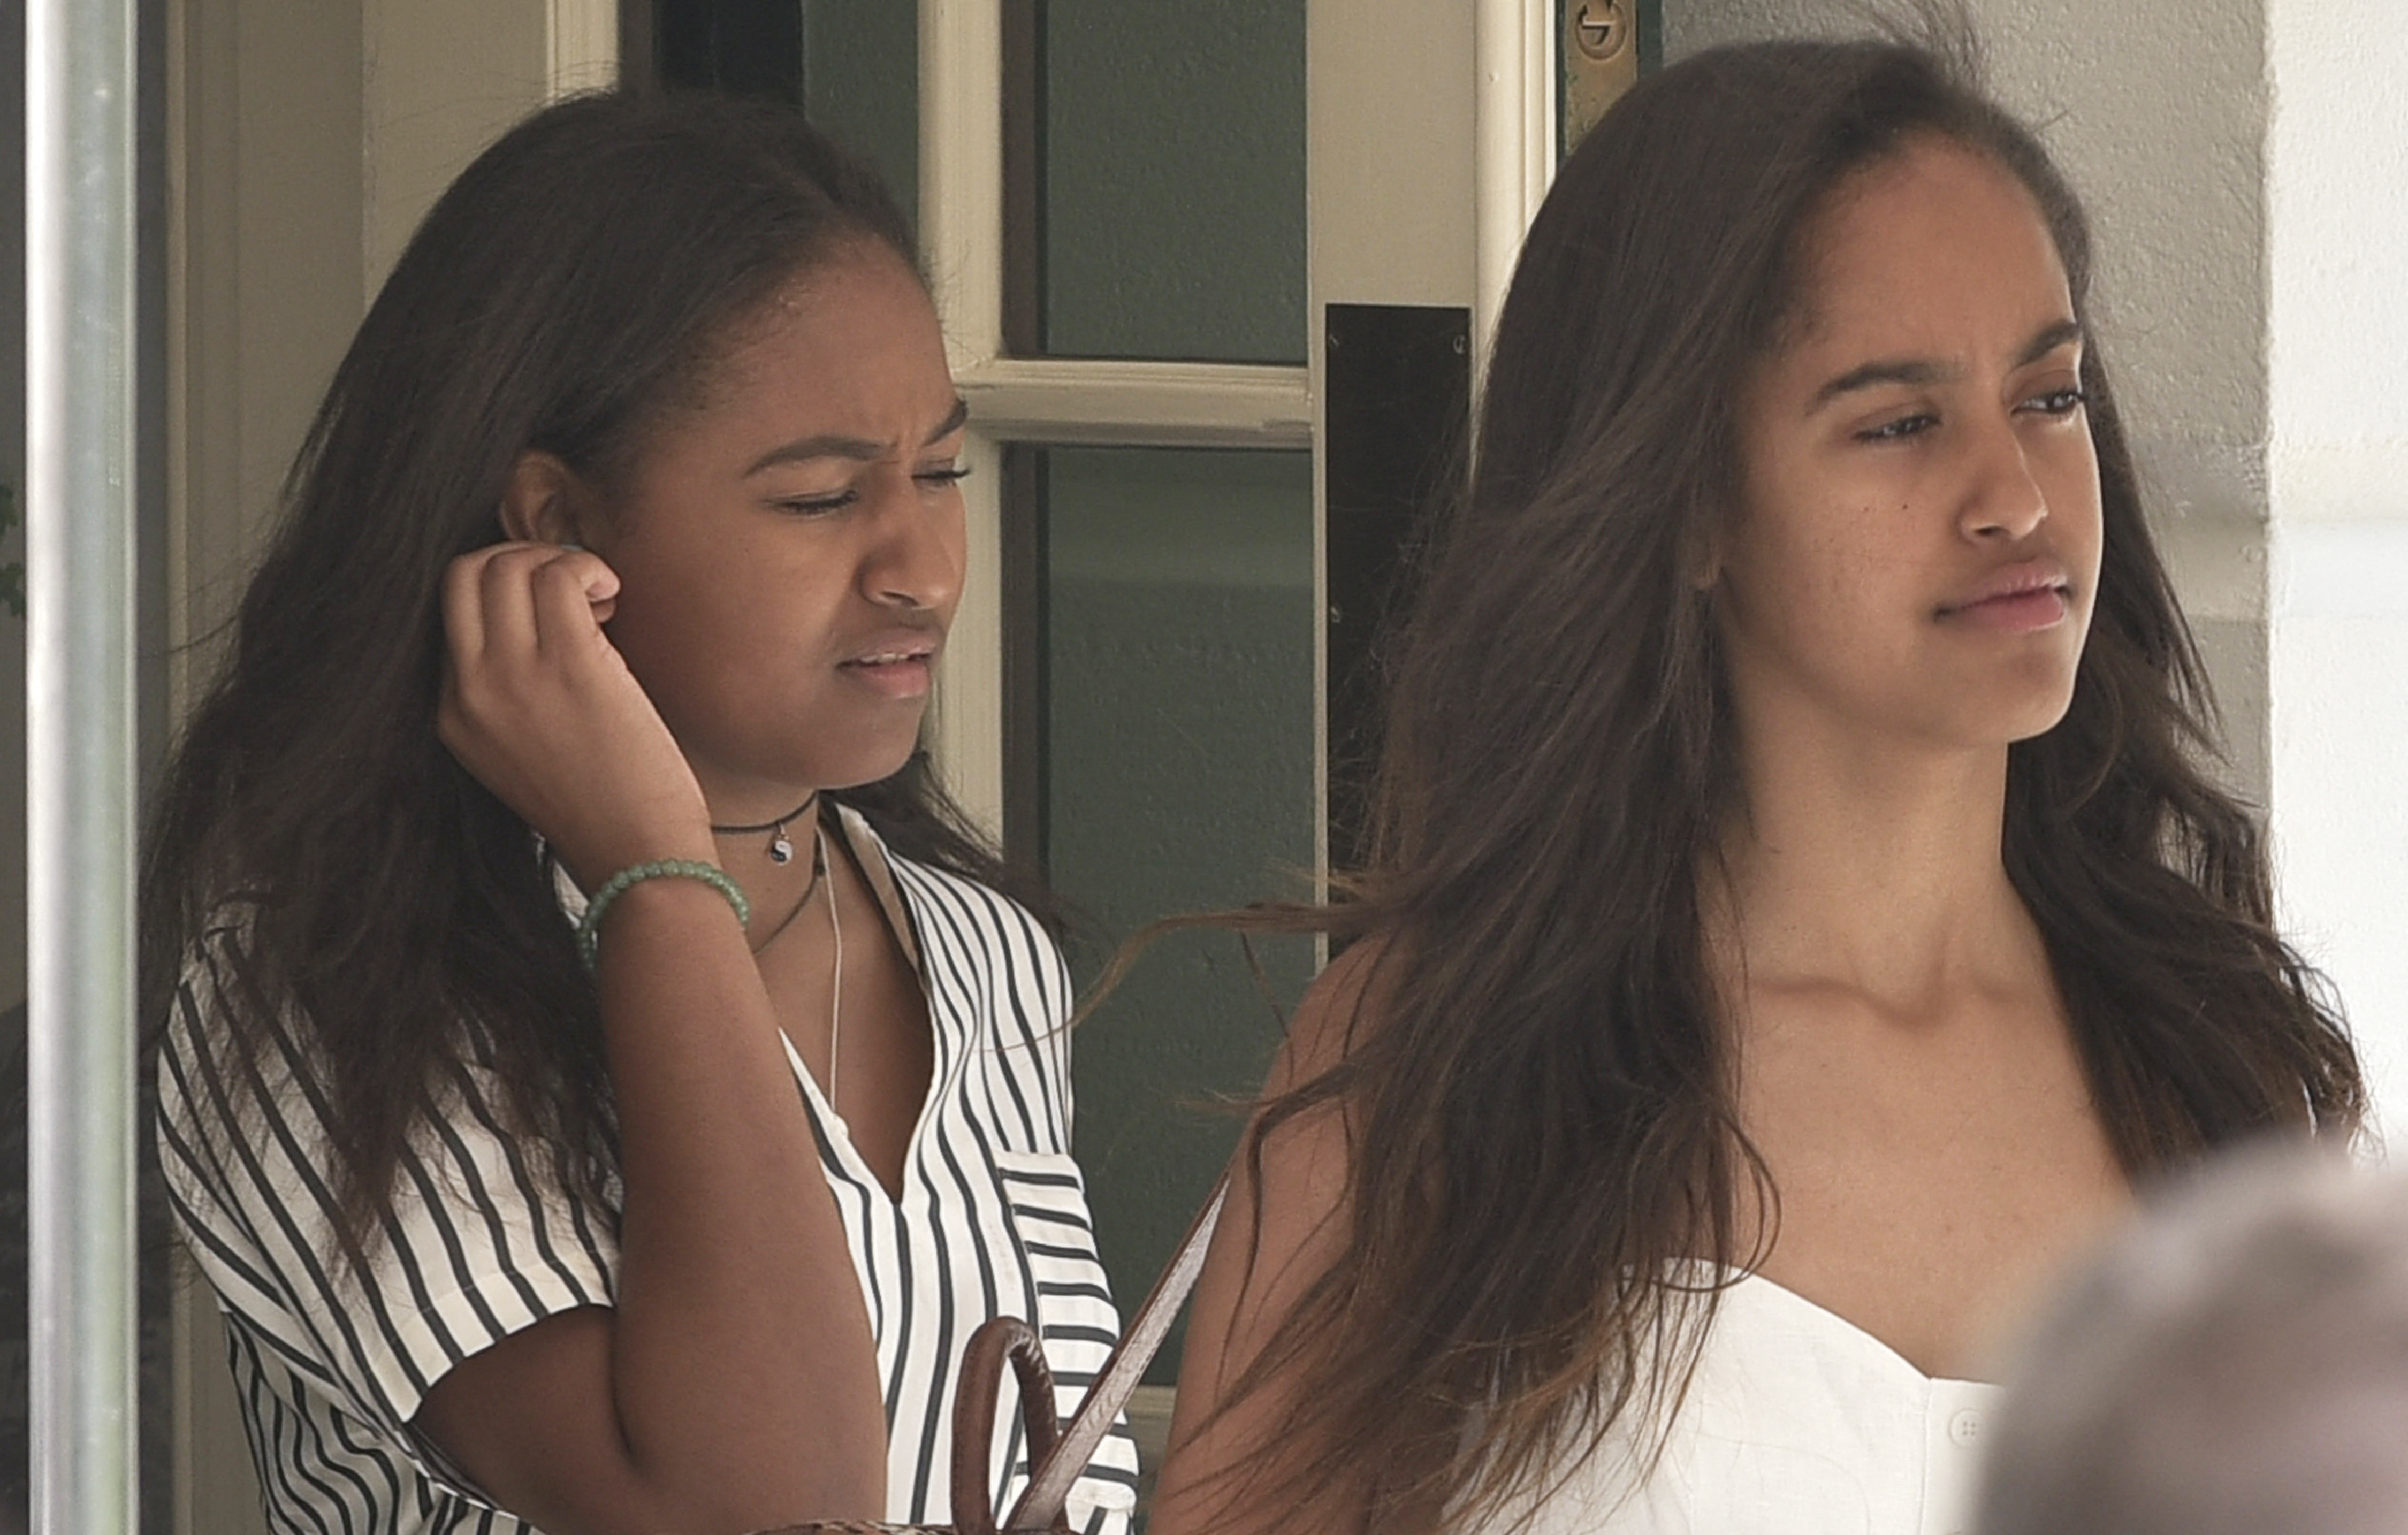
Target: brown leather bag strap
(998, 1339)
(1049, 1487)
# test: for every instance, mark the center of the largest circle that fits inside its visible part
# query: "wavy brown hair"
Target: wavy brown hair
(569, 293)
(1541, 1115)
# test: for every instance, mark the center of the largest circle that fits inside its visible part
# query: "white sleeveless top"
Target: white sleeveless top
(1797, 1421)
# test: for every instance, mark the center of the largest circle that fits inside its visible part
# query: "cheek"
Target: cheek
(1806, 570)
(1830, 560)
(2076, 527)
(669, 643)
(2093, 519)
(659, 586)
(690, 627)
(1788, 556)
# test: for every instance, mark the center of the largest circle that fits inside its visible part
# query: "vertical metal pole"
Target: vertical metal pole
(80, 464)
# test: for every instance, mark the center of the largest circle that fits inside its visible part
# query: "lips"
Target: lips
(896, 664)
(888, 659)
(902, 642)
(2020, 597)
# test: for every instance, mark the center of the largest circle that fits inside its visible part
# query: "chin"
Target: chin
(2015, 702)
(869, 765)
(2031, 717)
(1982, 720)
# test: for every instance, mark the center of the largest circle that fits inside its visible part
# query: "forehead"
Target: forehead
(861, 309)
(849, 347)
(1926, 252)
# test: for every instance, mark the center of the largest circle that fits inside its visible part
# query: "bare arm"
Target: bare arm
(1247, 1289)
(734, 1386)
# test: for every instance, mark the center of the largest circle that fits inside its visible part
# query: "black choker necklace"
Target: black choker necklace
(782, 850)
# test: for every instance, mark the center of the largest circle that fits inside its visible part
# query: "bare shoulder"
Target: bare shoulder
(1341, 1011)
(1287, 1225)
(1297, 1163)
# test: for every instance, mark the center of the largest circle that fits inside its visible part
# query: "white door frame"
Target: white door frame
(1429, 130)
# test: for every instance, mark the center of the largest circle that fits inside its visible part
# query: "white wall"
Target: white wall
(440, 79)
(263, 272)
(2338, 455)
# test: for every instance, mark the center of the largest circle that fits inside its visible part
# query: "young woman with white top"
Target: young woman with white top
(599, 1071)
(1799, 909)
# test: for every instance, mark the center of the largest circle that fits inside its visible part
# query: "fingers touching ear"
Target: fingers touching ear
(545, 502)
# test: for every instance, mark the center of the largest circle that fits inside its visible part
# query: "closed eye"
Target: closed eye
(2058, 402)
(1899, 429)
(818, 505)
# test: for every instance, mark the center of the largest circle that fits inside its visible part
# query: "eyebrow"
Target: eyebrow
(836, 445)
(1923, 370)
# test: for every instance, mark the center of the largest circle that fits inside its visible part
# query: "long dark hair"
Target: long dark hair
(568, 291)
(1538, 1096)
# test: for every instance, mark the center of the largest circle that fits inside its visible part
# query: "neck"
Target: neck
(794, 815)
(763, 832)
(1870, 866)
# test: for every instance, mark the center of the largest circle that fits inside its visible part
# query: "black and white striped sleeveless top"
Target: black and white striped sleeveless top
(331, 1360)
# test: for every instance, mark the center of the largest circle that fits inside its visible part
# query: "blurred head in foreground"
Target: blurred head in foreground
(2236, 1363)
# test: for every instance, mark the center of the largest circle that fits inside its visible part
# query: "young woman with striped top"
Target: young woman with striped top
(615, 565)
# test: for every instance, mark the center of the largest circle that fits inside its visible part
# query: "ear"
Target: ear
(544, 501)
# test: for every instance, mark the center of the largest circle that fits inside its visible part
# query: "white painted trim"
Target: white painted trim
(1514, 111)
(961, 240)
(1029, 399)
(964, 729)
(961, 172)
(583, 37)
(1161, 404)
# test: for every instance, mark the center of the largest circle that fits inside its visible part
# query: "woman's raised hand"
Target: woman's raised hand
(733, 1384)
(540, 707)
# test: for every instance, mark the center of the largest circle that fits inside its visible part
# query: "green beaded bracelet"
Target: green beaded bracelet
(589, 928)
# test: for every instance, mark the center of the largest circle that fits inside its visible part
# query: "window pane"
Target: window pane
(1172, 179)
(861, 84)
(1179, 761)
(745, 48)
(853, 66)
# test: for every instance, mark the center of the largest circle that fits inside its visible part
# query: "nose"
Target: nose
(2003, 500)
(914, 558)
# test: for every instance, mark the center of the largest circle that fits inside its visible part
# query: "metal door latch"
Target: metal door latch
(1600, 29)
(1600, 60)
